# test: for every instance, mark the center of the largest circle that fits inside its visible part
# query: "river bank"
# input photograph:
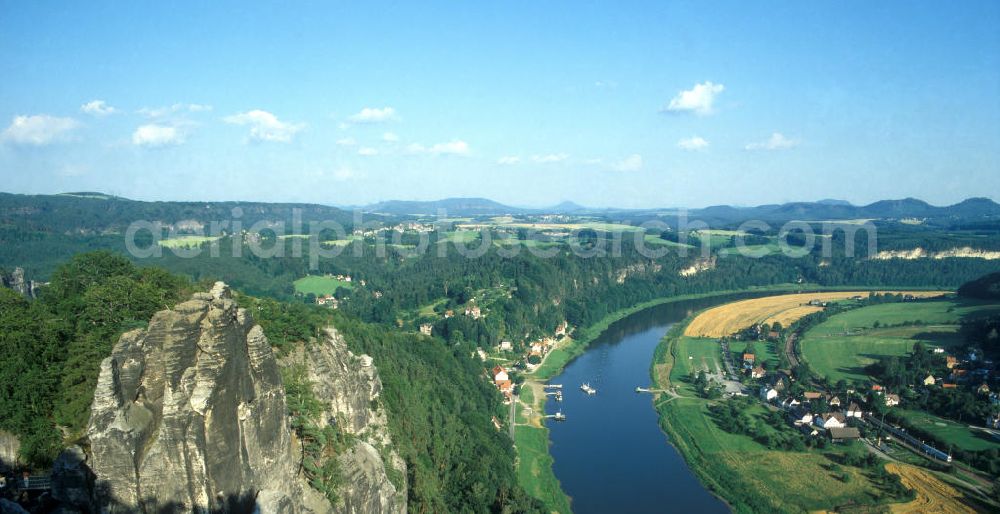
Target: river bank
(748, 475)
(532, 438)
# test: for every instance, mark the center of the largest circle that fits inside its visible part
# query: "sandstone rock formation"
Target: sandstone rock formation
(16, 281)
(189, 415)
(348, 386)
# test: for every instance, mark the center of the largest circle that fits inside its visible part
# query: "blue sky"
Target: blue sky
(630, 104)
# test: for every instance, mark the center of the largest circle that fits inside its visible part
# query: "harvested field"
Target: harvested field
(933, 495)
(733, 317)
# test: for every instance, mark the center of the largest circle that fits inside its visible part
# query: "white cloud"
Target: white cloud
(550, 158)
(630, 163)
(38, 129)
(367, 151)
(156, 135)
(456, 147)
(509, 159)
(693, 143)
(390, 137)
(605, 84)
(374, 115)
(159, 112)
(98, 108)
(265, 126)
(346, 141)
(698, 99)
(777, 141)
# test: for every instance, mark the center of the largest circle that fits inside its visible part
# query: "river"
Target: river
(610, 454)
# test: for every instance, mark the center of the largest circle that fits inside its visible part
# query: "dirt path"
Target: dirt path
(933, 495)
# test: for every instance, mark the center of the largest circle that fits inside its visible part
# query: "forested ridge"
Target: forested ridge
(440, 407)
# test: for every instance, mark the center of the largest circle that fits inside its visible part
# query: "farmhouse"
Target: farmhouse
(801, 417)
(853, 411)
(811, 395)
(426, 329)
(768, 393)
(500, 375)
(506, 346)
(951, 361)
(929, 380)
(328, 301)
(790, 402)
(748, 358)
(842, 434)
(891, 400)
(757, 372)
(561, 329)
(832, 420)
(833, 401)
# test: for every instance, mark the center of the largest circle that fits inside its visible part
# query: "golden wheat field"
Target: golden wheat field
(933, 495)
(730, 318)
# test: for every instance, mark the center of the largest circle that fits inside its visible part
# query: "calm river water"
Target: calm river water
(610, 454)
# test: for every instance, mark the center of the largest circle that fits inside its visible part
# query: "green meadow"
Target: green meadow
(320, 285)
(842, 346)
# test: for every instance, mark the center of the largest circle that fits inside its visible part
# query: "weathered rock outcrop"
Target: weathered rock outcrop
(189, 415)
(16, 281)
(10, 448)
(348, 387)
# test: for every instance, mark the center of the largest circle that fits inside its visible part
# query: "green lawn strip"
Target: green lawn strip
(187, 241)
(950, 431)
(534, 470)
(320, 285)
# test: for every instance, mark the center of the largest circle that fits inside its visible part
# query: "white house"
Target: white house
(500, 375)
(803, 418)
(853, 411)
(790, 402)
(831, 420)
(929, 380)
(768, 393)
(891, 400)
(506, 346)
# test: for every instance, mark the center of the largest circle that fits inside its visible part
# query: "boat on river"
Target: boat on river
(587, 389)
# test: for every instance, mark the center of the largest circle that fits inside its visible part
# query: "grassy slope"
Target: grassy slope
(320, 285)
(734, 466)
(843, 345)
(534, 463)
(951, 431)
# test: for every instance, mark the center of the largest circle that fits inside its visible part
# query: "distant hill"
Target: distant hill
(566, 208)
(91, 212)
(971, 209)
(831, 201)
(451, 206)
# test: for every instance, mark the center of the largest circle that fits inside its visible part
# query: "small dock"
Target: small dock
(552, 386)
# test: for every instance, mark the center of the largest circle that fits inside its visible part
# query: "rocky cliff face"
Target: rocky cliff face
(349, 387)
(16, 281)
(189, 415)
